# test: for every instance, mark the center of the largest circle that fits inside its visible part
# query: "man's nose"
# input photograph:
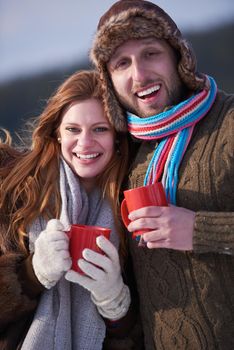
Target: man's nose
(138, 71)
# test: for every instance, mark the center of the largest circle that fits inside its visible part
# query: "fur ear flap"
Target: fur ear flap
(114, 112)
(137, 19)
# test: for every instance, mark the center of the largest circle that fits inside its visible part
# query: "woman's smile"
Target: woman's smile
(87, 139)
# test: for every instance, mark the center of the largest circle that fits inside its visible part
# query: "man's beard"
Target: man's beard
(176, 94)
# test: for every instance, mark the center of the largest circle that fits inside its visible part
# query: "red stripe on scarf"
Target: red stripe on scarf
(180, 113)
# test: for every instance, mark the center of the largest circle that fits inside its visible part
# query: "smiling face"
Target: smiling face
(87, 140)
(144, 75)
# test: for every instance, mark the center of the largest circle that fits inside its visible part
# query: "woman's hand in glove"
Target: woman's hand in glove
(103, 279)
(51, 257)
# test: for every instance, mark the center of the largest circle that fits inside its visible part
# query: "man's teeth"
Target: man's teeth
(148, 91)
(87, 156)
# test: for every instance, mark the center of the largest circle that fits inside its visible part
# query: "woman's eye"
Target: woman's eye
(72, 129)
(101, 129)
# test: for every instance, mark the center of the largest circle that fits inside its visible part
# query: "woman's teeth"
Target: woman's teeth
(87, 156)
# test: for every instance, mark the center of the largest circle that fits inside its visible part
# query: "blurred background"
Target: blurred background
(43, 42)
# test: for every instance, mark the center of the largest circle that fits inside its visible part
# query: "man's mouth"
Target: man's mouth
(149, 92)
(87, 156)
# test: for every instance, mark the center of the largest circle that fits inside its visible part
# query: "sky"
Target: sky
(40, 35)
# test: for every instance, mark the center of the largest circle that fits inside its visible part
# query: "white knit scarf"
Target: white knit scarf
(66, 318)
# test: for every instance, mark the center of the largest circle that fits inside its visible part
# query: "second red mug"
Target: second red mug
(139, 197)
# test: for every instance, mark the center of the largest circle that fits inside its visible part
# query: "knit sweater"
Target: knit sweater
(187, 298)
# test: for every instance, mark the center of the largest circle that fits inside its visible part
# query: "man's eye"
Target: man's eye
(150, 53)
(153, 53)
(121, 64)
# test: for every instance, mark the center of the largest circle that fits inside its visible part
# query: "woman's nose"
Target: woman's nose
(85, 139)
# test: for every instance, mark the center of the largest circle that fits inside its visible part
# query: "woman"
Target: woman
(72, 173)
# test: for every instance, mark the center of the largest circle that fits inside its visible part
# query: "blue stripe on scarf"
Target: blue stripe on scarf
(183, 128)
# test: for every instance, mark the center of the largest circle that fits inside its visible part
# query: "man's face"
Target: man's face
(144, 75)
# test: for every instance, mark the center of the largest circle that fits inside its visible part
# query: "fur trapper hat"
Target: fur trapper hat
(138, 19)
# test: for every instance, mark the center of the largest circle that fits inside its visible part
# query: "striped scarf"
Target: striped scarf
(174, 128)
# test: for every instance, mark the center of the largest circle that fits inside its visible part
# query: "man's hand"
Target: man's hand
(169, 227)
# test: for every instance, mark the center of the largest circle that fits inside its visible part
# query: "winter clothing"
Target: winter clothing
(137, 19)
(174, 128)
(108, 291)
(187, 298)
(19, 294)
(64, 316)
(46, 254)
(20, 290)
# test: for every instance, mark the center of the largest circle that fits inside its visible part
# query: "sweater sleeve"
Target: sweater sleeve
(126, 333)
(19, 290)
(130, 337)
(214, 228)
(214, 232)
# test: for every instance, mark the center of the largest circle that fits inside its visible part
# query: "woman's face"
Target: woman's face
(87, 140)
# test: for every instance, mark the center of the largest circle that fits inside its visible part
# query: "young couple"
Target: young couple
(182, 135)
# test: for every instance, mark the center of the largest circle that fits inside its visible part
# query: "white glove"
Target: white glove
(51, 257)
(104, 281)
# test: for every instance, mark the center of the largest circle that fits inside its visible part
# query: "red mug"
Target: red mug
(139, 197)
(84, 236)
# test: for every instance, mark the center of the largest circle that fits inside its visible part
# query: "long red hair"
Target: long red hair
(29, 178)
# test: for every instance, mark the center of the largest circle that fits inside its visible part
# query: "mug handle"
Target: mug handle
(124, 213)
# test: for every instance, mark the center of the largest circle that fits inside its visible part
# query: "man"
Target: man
(186, 130)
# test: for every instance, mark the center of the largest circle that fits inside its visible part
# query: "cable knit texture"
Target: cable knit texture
(187, 298)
